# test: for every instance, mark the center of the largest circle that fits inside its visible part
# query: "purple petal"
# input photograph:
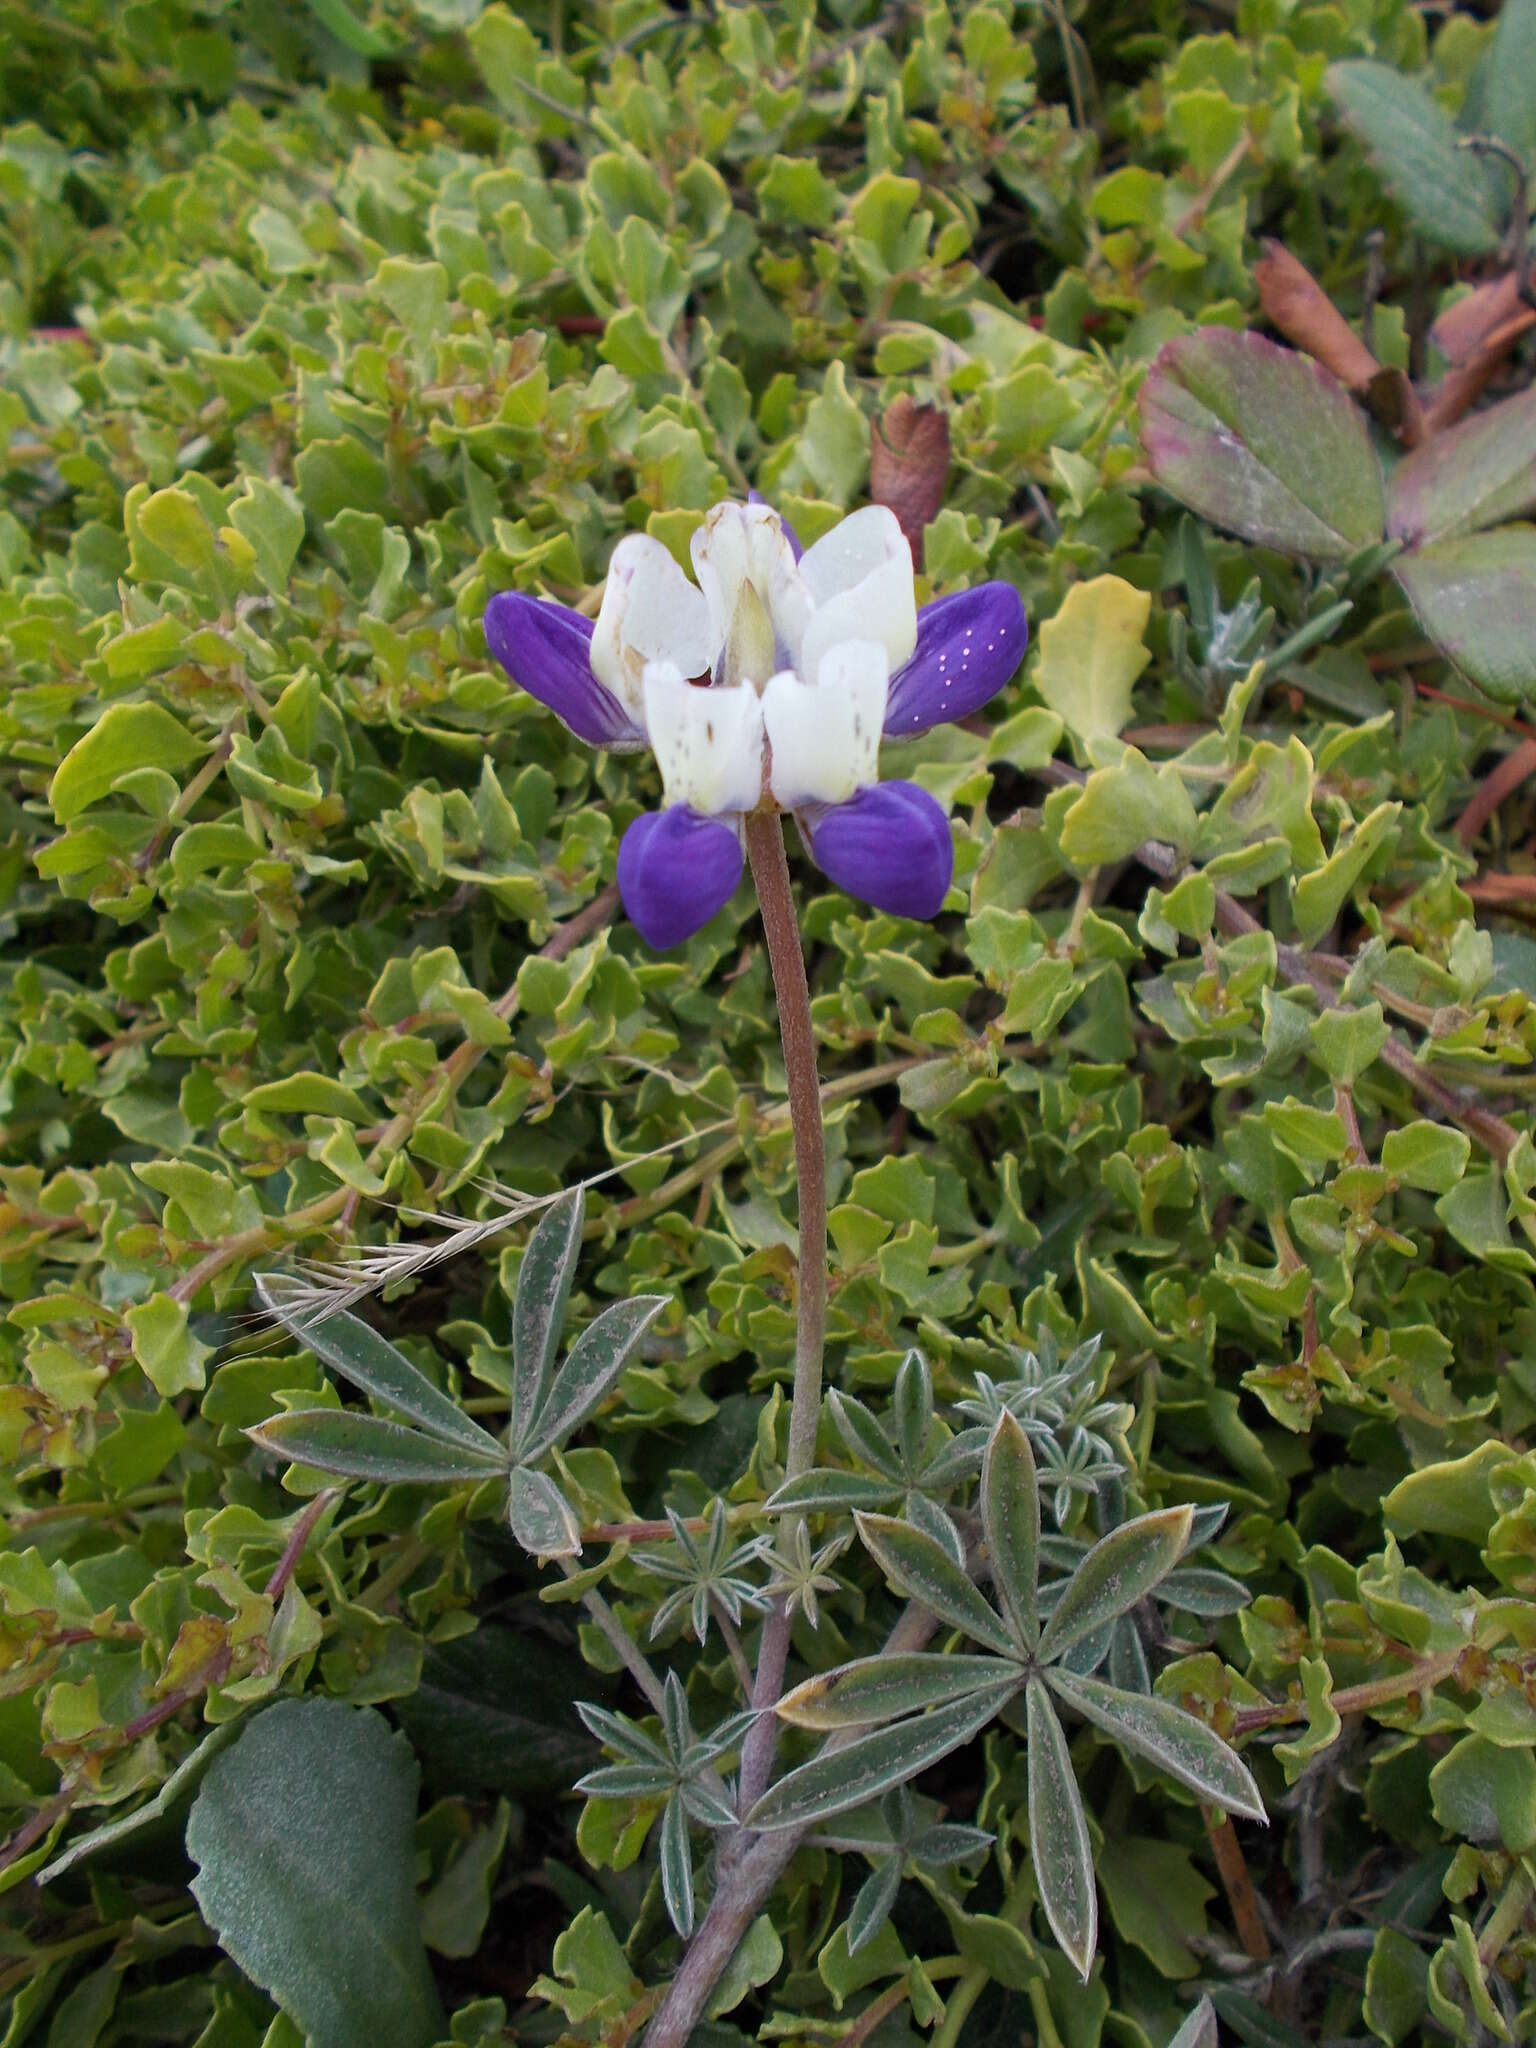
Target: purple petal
(545, 648)
(676, 869)
(889, 846)
(968, 646)
(757, 498)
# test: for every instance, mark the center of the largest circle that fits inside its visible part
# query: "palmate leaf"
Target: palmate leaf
(925, 1571)
(624, 1736)
(367, 1447)
(544, 1285)
(369, 1362)
(912, 1409)
(848, 1774)
(628, 1781)
(828, 1492)
(1010, 1516)
(677, 1868)
(862, 1434)
(1166, 1736)
(592, 1365)
(1058, 1835)
(1199, 2030)
(873, 1902)
(1117, 1572)
(540, 1516)
(930, 1519)
(876, 1689)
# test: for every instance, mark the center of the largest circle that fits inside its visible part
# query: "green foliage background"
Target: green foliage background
(316, 331)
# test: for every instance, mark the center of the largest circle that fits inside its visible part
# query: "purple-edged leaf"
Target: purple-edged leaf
(1264, 442)
(1121, 1569)
(1408, 135)
(540, 1516)
(1058, 1836)
(367, 1447)
(1010, 1518)
(1478, 473)
(876, 1689)
(1476, 597)
(359, 1355)
(675, 870)
(592, 1366)
(968, 646)
(848, 1773)
(925, 1571)
(1167, 1737)
(546, 648)
(544, 1283)
(889, 846)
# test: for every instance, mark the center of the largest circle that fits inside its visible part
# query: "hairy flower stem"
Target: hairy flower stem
(781, 929)
(750, 1864)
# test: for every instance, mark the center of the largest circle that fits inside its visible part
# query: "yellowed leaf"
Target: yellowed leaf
(1090, 656)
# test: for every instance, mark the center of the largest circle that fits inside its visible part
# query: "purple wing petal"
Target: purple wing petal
(544, 647)
(676, 869)
(889, 846)
(968, 646)
(757, 498)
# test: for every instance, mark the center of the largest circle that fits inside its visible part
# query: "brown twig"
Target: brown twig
(298, 1537)
(1496, 785)
(1232, 1868)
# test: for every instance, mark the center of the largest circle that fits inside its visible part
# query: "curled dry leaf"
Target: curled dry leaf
(1296, 303)
(909, 465)
(1475, 336)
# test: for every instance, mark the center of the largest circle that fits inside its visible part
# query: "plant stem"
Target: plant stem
(1357, 1699)
(781, 929)
(1232, 1867)
(751, 1864)
(618, 1638)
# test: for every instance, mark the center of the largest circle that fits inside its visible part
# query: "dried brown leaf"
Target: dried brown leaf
(1296, 303)
(909, 465)
(1464, 330)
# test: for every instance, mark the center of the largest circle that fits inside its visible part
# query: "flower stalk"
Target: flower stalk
(750, 1864)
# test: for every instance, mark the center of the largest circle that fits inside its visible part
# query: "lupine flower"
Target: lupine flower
(769, 683)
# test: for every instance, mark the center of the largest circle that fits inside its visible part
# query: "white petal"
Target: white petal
(826, 735)
(746, 544)
(854, 548)
(650, 612)
(708, 743)
(860, 576)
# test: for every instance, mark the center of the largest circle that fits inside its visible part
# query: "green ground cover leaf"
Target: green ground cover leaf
(302, 1834)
